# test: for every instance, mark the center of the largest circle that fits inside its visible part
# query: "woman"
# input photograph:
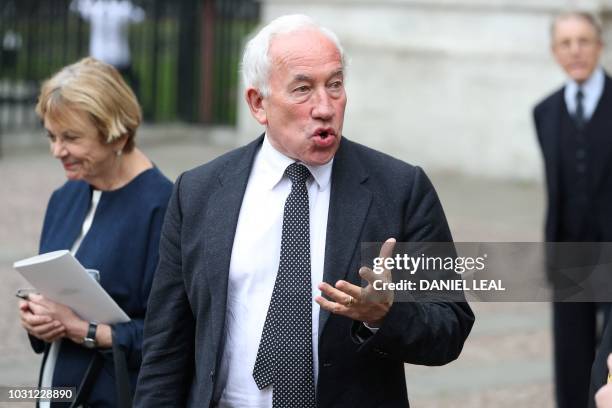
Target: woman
(109, 214)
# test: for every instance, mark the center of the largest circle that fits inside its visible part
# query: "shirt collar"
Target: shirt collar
(274, 164)
(592, 86)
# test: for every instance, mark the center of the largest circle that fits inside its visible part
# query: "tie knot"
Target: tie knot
(297, 173)
(579, 94)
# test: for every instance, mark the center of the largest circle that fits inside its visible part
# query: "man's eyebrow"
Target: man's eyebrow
(304, 77)
(301, 77)
(337, 72)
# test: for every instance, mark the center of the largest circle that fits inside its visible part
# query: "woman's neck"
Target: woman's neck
(126, 167)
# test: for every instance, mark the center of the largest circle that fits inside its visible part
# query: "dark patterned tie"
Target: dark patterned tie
(284, 357)
(579, 114)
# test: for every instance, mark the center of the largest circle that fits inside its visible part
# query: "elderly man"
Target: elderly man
(573, 127)
(257, 299)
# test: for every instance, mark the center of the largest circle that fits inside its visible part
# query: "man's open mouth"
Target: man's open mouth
(324, 137)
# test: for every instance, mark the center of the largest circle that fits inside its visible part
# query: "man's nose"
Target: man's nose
(323, 108)
(575, 47)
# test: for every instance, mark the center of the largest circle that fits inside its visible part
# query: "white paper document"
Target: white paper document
(60, 277)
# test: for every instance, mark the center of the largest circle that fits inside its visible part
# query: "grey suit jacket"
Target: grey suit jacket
(373, 197)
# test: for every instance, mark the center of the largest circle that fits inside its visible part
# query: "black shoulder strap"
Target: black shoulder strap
(89, 378)
(122, 377)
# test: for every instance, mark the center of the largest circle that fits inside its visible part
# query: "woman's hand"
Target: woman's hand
(42, 327)
(76, 328)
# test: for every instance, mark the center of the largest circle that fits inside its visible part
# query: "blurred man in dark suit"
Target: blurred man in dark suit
(574, 128)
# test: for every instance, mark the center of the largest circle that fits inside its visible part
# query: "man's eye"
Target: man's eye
(50, 136)
(336, 85)
(301, 89)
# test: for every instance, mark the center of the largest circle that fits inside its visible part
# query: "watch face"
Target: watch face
(89, 343)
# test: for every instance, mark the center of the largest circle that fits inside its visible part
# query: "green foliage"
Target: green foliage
(51, 43)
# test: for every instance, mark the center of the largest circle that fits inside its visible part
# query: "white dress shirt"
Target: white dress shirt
(109, 20)
(253, 268)
(592, 89)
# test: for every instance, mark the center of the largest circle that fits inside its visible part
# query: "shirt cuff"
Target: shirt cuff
(372, 329)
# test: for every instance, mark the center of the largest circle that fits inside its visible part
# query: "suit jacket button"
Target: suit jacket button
(380, 352)
(327, 364)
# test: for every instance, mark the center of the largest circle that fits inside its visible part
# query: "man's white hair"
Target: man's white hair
(256, 61)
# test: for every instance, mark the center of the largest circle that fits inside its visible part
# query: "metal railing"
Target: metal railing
(185, 56)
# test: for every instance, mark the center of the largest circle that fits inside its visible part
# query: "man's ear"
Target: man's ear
(255, 101)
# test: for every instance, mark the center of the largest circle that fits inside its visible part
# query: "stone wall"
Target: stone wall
(445, 84)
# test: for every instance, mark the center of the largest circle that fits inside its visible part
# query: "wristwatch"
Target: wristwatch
(89, 340)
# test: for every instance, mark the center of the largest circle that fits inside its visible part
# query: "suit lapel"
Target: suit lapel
(551, 145)
(348, 207)
(221, 221)
(551, 132)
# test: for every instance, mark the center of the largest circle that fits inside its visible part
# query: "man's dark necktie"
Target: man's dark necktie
(579, 115)
(284, 358)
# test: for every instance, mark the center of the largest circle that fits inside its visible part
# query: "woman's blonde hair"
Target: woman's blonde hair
(99, 90)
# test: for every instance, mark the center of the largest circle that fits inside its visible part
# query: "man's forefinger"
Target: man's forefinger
(341, 293)
(369, 275)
